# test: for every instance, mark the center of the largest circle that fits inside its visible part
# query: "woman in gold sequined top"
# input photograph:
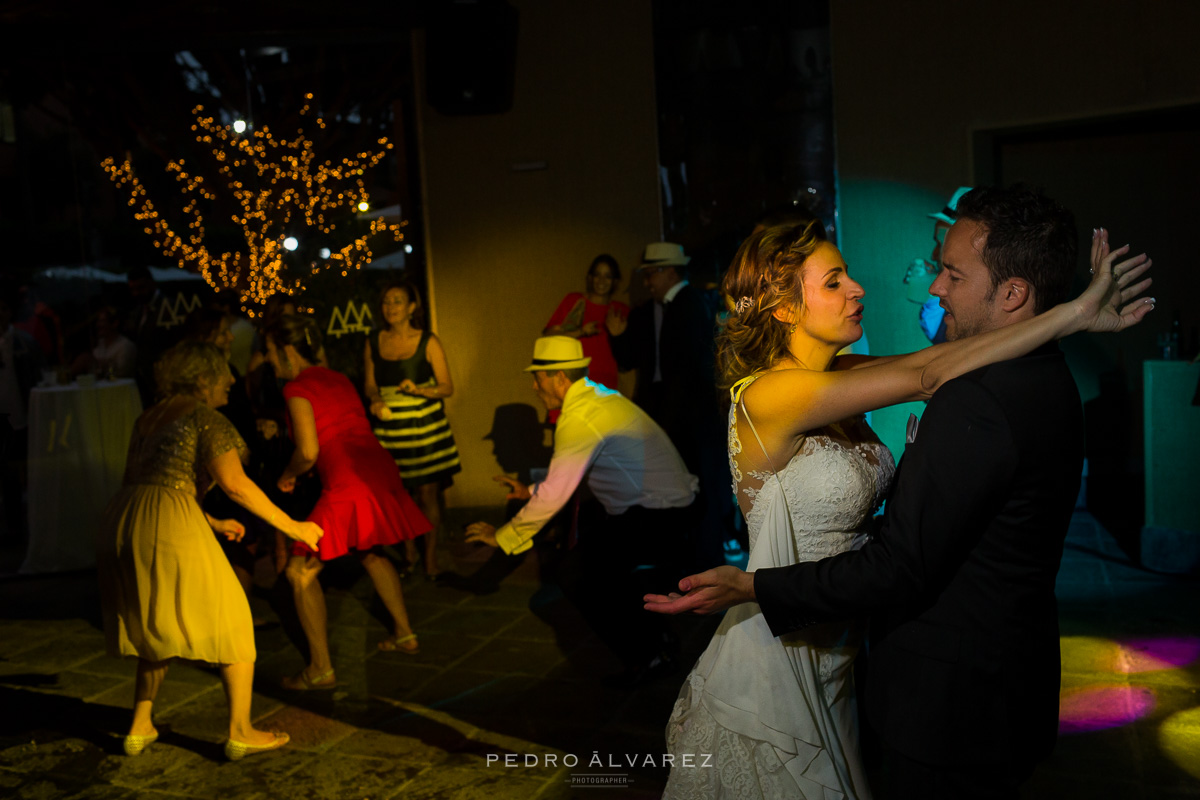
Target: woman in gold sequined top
(167, 589)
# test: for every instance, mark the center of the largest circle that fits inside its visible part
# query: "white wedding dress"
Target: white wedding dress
(775, 717)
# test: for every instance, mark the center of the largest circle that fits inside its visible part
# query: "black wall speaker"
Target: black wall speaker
(471, 56)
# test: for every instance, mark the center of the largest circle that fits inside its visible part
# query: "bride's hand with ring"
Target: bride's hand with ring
(1109, 303)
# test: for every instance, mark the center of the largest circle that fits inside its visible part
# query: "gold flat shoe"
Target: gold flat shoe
(236, 751)
(134, 745)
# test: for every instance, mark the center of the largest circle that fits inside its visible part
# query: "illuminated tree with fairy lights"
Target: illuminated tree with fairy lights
(280, 193)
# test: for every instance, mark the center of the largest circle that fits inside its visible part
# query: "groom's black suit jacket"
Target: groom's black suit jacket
(959, 583)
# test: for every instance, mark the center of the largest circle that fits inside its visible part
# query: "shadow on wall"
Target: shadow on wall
(518, 440)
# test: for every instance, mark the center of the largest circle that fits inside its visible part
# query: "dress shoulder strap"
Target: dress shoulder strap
(741, 403)
(737, 391)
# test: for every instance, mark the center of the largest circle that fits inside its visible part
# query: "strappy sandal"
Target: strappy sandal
(134, 744)
(236, 751)
(303, 683)
(392, 644)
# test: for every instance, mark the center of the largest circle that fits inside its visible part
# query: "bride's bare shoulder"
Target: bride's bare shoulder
(777, 383)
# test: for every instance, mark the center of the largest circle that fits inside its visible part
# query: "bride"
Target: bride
(777, 715)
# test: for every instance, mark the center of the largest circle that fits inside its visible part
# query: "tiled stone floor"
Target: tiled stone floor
(515, 674)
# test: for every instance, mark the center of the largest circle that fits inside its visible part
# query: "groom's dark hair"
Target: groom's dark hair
(1029, 236)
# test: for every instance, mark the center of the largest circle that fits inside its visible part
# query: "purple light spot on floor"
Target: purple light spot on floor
(1167, 652)
(1095, 708)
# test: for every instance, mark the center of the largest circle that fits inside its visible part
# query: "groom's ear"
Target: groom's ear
(1016, 293)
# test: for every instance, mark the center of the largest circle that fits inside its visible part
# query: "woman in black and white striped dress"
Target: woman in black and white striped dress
(407, 378)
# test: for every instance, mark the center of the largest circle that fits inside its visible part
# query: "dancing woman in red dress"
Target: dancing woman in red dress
(363, 505)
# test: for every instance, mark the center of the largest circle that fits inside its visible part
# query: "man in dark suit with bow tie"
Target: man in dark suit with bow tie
(963, 678)
(669, 341)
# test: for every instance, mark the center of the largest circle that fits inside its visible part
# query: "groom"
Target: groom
(963, 678)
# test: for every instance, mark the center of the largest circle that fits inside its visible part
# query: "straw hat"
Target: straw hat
(664, 254)
(557, 352)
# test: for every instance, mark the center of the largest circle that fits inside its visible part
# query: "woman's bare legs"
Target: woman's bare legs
(302, 572)
(150, 676)
(387, 583)
(429, 499)
(239, 685)
(411, 555)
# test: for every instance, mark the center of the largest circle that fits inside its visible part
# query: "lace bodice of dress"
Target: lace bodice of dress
(832, 486)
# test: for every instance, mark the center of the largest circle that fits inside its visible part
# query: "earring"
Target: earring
(791, 329)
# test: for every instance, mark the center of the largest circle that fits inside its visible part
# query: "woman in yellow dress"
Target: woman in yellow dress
(167, 589)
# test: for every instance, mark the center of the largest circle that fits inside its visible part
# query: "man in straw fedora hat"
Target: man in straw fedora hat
(638, 477)
(669, 341)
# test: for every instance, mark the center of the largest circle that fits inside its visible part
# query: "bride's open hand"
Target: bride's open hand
(706, 593)
(1111, 303)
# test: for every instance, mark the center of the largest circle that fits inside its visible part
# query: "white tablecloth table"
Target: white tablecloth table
(78, 438)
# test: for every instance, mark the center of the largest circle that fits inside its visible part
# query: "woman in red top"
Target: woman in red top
(581, 316)
(363, 505)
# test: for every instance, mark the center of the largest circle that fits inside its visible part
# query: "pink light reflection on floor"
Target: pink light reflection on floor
(1095, 708)
(1152, 654)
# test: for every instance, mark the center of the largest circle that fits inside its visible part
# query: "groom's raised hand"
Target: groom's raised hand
(707, 593)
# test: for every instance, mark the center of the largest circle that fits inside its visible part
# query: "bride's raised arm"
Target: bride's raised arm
(793, 401)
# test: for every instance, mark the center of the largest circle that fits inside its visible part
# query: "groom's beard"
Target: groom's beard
(964, 322)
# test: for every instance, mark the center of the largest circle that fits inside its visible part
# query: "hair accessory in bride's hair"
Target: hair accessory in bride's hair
(743, 305)
(307, 336)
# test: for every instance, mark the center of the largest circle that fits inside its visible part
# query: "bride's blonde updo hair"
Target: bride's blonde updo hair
(766, 274)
